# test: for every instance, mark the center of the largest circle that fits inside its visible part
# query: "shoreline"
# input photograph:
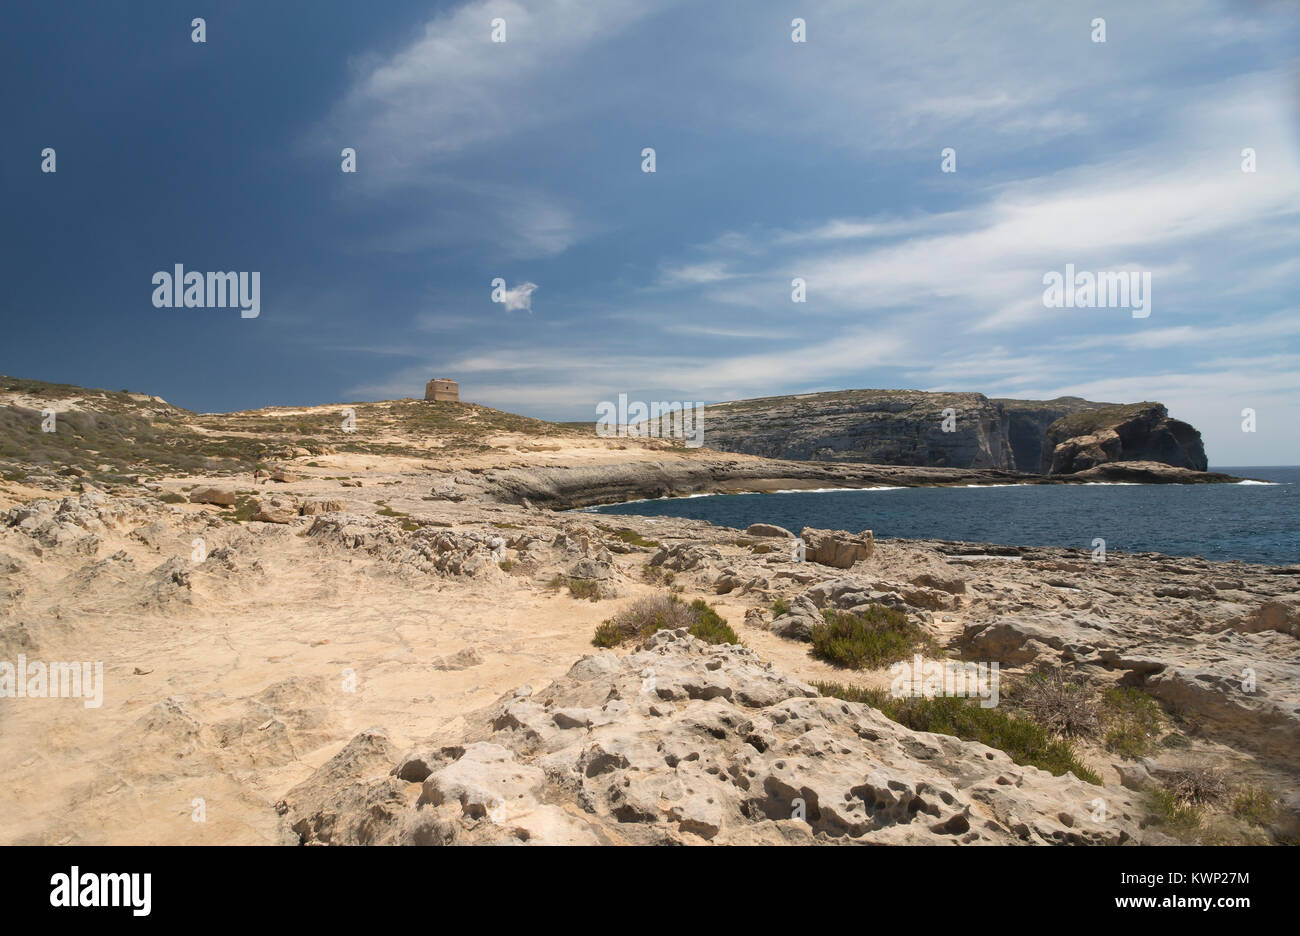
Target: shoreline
(566, 487)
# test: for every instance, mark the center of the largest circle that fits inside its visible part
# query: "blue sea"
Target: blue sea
(1252, 522)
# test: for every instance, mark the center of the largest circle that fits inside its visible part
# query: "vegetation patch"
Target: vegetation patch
(1198, 786)
(870, 640)
(633, 538)
(657, 612)
(1062, 704)
(1133, 721)
(1025, 742)
(587, 589)
(1166, 810)
(1254, 805)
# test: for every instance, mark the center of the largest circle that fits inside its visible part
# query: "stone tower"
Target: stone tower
(442, 390)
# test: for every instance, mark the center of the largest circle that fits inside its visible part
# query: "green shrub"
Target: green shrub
(875, 638)
(171, 497)
(633, 538)
(584, 588)
(780, 607)
(658, 612)
(1025, 742)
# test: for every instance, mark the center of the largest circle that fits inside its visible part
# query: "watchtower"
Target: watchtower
(442, 390)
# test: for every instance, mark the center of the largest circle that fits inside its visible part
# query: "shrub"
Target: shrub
(780, 607)
(1197, 786)
(633, 538)
(1062, 704)
(171, 497)
(875, 638)
(584, 588)
(1025, 742)
(666, 611)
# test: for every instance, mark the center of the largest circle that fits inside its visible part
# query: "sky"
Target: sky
(522, 161)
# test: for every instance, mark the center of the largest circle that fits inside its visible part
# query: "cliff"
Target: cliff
(1135, 432)
(1027, 422)
(883, 427)
(892, 427)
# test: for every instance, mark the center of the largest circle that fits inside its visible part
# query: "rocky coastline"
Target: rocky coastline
(408, 639)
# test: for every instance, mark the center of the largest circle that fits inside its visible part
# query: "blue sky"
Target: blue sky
(522, 160)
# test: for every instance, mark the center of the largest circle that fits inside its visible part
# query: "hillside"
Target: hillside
(120, 437)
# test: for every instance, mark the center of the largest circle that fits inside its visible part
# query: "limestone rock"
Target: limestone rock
(767, 529)
(684, 742)
(222, 497)
(276, 508)
(1133, 432)
(837, 548)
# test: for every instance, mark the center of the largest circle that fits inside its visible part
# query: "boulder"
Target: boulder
(768, 529)
(322, 505)
(276, 508)
(222, 497)
(837, 548)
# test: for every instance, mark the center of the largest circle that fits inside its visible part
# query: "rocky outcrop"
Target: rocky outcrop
(683, 742)
(1135, 432)
(837, 548)
(222, 497)
(564, 487)
(1027, 422)
(1147, 472)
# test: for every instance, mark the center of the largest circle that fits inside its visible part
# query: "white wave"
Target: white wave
(894, 487)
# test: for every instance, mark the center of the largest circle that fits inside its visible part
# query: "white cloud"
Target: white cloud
(519, 297)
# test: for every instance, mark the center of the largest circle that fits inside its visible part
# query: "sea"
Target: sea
(1254, 521)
